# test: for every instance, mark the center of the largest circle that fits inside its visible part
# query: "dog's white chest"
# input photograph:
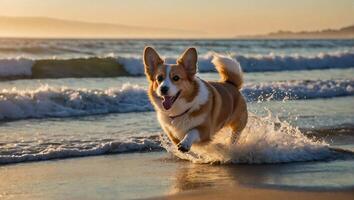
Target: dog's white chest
(180, 126)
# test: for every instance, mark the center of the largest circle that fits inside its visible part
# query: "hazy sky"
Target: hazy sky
(217, 17)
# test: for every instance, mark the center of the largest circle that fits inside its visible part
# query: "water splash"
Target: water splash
(264, 140)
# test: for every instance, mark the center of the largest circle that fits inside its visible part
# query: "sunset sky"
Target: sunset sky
(225, 18)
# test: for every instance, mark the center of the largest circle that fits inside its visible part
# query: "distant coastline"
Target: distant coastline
(53, 28)
(342, 33)
(46, 27)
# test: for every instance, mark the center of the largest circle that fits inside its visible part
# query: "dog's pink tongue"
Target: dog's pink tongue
(167, 102)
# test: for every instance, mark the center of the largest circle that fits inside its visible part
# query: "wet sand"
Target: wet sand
(265, 194)
(152, 175)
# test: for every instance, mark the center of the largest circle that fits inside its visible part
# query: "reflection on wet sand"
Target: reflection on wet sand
(191, 176)
(301, 175)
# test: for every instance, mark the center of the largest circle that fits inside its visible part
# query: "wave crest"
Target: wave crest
(70, 149)
(64, 102)
(47, 101)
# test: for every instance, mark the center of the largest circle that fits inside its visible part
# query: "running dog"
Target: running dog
(189, 109)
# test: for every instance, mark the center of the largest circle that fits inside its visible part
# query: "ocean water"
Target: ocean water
(22, 57)
(300, 95)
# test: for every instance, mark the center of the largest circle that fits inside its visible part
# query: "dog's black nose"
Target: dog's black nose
(164, 90)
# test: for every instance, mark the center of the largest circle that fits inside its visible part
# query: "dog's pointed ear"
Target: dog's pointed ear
(189, 61)
(151, 62)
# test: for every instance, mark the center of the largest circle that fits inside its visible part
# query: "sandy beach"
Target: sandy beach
(158, 175)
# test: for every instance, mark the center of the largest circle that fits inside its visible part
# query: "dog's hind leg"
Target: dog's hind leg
(234, 137)
(236, 128)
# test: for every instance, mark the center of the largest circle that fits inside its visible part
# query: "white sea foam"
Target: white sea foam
(264, 140)
(49, 101)
(273, 62)
(76, 148)
(133, 65)
(16, 67)
(300, 89)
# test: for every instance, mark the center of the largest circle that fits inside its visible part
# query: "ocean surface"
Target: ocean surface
(300, 95)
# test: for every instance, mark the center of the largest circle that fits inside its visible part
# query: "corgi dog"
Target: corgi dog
(189, 109)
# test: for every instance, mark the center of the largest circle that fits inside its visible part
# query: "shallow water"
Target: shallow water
(54, 58)
(46, 138)
(100, 116)
(66, 48)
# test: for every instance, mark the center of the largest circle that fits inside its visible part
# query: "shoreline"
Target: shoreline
(158, 175)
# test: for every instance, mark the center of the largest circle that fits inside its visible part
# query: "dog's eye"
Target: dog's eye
(175, 78)
(159, 78)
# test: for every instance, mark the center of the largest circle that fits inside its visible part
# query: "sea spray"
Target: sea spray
(264, 140)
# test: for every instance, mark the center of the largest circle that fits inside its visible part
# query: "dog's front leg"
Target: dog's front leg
(191, 137)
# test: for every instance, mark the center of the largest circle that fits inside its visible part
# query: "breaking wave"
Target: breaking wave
(49, 101)
(47, 150)
(133, 66)
(301, 89)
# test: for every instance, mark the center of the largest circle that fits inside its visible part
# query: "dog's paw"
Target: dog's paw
(183, 148)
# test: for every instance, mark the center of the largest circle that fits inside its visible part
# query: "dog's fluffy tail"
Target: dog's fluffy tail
(229, 69)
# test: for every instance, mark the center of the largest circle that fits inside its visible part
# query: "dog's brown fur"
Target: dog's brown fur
(202, 108)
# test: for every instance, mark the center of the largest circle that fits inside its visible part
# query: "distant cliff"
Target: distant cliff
(51, 27)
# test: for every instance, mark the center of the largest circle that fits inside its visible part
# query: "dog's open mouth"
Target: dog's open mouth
(168, 101)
